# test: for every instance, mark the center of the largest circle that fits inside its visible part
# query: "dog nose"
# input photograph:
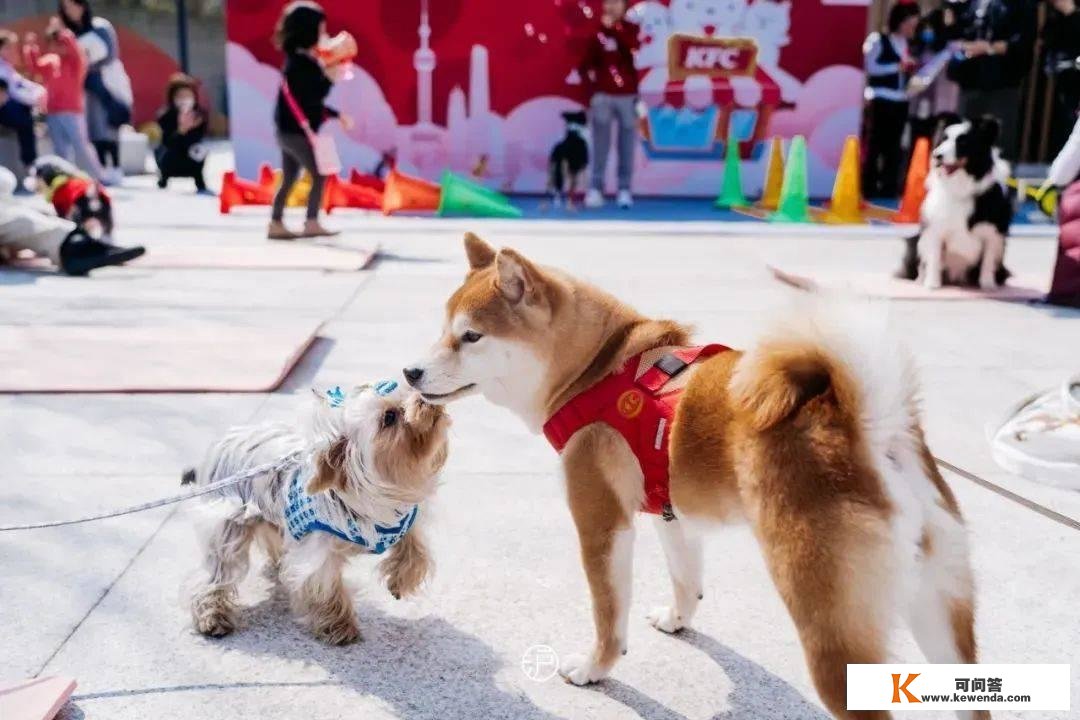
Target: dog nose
(413, 375)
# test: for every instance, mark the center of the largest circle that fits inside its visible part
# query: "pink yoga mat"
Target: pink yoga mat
(37, 699)
(204, 357)
(881, 285)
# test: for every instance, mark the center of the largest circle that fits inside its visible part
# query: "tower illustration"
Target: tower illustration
(424, 64)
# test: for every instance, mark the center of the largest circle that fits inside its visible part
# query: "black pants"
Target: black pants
(20, 119)
(296, 153)
(107, 150)
(881, 167)
(177, 162)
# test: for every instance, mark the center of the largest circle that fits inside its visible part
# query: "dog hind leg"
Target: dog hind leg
(225, 563)
(320, 599)
(683, 550)
(942, 612)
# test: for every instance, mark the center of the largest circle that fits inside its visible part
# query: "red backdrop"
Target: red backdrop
(522, 66)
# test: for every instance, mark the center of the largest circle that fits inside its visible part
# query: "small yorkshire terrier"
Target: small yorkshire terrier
(358, 485)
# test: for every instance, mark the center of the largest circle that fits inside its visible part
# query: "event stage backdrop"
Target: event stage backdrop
(477, 86)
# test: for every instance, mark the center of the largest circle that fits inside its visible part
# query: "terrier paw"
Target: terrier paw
(344, 632)
(666, 619)
(581, 670)
(216, 624)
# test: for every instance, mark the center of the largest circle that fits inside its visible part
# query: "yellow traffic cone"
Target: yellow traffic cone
(774, 176)
(846, 204)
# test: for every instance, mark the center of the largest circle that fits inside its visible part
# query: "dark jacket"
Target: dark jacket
(1062, 38)
(171, 138)
(310, 86)
(1013, 21)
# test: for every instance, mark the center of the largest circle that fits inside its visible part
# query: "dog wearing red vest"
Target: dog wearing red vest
(813, 436)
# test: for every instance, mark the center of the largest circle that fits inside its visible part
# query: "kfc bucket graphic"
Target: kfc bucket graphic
(711, 88)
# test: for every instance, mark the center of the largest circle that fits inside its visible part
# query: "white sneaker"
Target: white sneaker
(624, 200)
(594, 199)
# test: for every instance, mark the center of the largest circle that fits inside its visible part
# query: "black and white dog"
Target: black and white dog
(966, 213)
(568, 160)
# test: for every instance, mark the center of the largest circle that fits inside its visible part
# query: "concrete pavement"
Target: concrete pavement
(101, 602)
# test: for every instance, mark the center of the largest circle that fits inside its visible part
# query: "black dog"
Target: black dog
(74, 195)
(568, 160)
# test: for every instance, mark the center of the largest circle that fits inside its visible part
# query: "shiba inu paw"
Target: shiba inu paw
(666, 619)
(581, 670)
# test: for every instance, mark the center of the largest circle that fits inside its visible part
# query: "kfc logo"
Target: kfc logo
(714, 57)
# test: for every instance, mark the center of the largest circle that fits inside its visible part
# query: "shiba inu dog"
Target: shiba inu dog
(813, 437)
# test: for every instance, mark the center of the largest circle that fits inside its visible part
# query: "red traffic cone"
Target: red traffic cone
(341, 194)
(266, 177)
(358, 178)
(237, 191)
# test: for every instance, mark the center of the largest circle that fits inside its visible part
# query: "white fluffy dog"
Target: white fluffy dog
(356, 484)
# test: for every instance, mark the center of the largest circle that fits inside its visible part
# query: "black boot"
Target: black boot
(80, 253)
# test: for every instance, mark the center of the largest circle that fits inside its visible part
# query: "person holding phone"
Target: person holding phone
(300, 112)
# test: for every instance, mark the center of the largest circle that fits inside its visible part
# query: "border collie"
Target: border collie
(967, 211)
(568, 160)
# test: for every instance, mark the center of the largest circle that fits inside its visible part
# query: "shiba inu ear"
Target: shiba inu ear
(480, 254)
(517, 278)
(329, 468)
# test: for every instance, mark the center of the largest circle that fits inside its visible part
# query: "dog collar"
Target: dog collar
(305, 514)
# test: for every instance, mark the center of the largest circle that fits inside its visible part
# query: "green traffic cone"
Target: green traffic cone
(464, 197)
(731, 194)
(794, 196)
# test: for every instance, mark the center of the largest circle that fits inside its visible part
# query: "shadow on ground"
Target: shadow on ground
(756, 692)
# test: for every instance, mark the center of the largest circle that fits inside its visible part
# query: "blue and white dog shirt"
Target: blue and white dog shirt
(306, 514)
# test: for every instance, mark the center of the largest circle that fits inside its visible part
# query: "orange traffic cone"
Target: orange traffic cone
(404, 192)
(358, 178)
(846, 204)
(237, 191)
(774, 176)
(341, 194)
(915, 185)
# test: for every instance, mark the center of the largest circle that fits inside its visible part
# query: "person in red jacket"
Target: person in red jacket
(62, 70)
(608, 73)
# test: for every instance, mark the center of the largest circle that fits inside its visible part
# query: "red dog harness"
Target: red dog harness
(638, 409)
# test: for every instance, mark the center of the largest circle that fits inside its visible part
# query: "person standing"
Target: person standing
(608, 74)
(109, 97)
(62, 70)
(18, 98)
(301, 98)
(888, 66)
(1061, 35)
(995, 55)
(183, 128)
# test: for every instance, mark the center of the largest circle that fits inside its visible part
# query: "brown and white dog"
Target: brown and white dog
(813, 437)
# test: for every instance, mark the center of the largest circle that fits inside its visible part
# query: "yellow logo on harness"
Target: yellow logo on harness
(630, 403)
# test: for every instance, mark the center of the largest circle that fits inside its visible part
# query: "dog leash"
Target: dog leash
(205, 490)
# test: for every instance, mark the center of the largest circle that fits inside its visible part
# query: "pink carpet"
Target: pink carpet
(881, 285)
(164, 358)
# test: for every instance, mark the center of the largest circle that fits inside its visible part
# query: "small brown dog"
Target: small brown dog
(813, 437)
(358, 484)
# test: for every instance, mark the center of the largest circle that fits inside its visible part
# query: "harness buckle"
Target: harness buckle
(670, 365)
